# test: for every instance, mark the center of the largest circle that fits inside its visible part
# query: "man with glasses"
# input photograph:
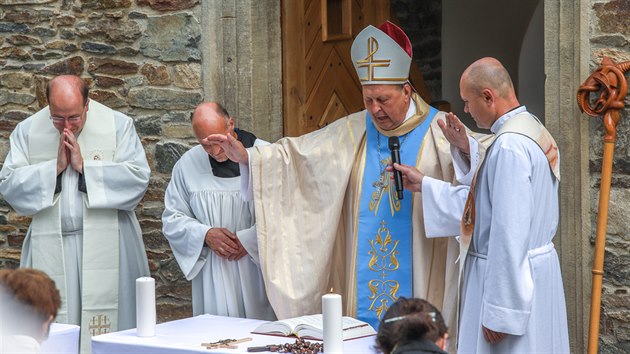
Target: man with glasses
(78, 168)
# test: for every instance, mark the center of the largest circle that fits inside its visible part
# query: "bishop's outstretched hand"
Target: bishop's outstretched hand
(234, 149)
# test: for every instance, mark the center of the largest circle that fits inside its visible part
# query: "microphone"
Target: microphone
(394, 147)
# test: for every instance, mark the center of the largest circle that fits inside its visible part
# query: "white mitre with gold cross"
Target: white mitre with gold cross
(382, 55)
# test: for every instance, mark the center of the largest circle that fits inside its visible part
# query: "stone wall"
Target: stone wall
(141, 57)
(610, 36)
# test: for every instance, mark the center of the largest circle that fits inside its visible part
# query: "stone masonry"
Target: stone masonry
(141, 57)
(610, 36)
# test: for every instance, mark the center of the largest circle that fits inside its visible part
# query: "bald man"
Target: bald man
(79, 168)
(211, 230)
(512, 299)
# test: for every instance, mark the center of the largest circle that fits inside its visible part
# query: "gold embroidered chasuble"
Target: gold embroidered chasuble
(306, 196)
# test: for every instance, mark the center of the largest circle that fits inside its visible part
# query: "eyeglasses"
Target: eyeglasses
(61, 120)
(72, 119)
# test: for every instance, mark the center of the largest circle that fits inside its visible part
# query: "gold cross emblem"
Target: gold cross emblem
(100, 325)
(369, 60)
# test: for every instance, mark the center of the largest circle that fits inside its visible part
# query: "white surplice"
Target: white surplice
(196, 201)
(119, 184)
(512, 281)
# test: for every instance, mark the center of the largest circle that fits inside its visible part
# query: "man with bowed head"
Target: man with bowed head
(209, 226)
(328, 214)
(79, 168)
(512, 296)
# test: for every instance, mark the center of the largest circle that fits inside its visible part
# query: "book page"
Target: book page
(311, 327)
(290, 325)
(310, 321)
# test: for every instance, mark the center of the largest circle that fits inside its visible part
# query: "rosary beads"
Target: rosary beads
(299, 347)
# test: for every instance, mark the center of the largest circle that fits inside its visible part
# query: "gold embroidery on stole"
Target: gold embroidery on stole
(383, 260)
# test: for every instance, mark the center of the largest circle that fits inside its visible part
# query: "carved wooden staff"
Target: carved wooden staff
(609, 85)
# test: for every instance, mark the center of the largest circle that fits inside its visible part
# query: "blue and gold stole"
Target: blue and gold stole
(384, 255)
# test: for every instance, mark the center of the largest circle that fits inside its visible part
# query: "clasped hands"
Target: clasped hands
(455, 132)
(225, 243)
(69, 152)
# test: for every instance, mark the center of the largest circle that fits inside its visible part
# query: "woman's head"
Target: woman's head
(410, 319)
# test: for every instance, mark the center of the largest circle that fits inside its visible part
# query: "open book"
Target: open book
(311, 327)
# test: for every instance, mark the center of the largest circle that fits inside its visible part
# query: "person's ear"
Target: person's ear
(441, 342)
(407, 89)
(488, 96)
(45, 330)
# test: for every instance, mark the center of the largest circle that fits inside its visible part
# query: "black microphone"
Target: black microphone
(394, 147)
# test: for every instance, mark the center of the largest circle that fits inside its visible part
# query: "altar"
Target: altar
(63, 338)
(186, 336)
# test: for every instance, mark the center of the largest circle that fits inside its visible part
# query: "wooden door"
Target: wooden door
(319, 81)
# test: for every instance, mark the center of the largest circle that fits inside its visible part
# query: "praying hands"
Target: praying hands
(69, 152)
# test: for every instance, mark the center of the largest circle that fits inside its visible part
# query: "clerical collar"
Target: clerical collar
(411, 111)
(228, 168)
(499, 122)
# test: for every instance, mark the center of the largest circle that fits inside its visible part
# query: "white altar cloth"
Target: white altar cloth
(186, 336)
(63, 339)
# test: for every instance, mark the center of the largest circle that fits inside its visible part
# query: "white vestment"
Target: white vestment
(118, 185)
(307, 192)
(195, 201)
(512, 281)
(19, 344)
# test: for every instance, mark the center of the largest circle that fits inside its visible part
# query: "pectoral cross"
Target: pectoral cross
(100, 325)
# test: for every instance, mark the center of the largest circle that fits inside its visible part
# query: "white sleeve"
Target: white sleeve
(464, 169)
(121, 183)
(27, 188)
(185, 234)
(247, 186)
(443, 207)
(508, 306)
(249, 241)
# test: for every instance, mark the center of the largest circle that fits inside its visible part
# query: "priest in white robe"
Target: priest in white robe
(210, 228)
(512, 297)
(328, 213)
(79, 168)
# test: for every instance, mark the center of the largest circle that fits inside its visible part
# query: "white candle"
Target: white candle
(331, 313)
(145, 307)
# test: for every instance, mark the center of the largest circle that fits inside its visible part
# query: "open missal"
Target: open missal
(311, 327)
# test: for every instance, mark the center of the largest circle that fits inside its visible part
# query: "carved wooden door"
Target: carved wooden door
(319, 81)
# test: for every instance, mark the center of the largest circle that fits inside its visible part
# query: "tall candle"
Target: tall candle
(331, 313)
(145, 307)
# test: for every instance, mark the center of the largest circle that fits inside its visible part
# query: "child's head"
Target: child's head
(408, 320)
